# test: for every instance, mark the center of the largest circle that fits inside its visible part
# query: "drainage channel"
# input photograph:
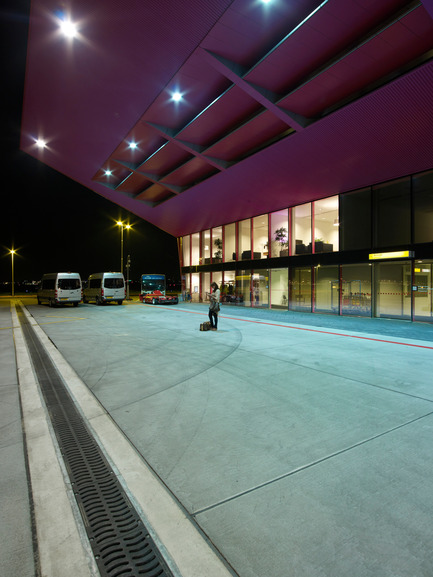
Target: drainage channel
(119, 540)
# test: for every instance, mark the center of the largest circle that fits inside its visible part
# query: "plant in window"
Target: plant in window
(281, 236)
(219, 245)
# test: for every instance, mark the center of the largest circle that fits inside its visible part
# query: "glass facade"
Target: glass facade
(279, 237)
(300, 295)
(279, 288)
(356, 289)
(301, 229)
(244, 240)
(327, 289)
(324, 248)
(422, 290)
(326, 224)
(229, 242)
(423, 207)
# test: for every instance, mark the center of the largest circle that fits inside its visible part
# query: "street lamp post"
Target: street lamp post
(12, 252)
(122, 226)
(128, 266)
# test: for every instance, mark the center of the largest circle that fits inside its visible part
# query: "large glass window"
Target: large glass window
(326, 224)
(279, 234)
(279, 278)
(356, 287)
(392, 213)
(205, 247)
(260, 288)
(230, 242)
(195, 249)
(327, 289)
(422, 187)
(186, 287)
(195, 287)
(393, 290)
(423, 291)
(301, 229)
(186, 248)
(228, 288)
(260, 236)
(243, 287)
(244, 239)
(300, 289)
(355, 219)
(217, 244)
(217, 277)
(205, 286)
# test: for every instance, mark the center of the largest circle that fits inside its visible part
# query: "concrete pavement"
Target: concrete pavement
(288, 446)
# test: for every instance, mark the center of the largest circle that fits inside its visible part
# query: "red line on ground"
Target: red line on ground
(313, 330)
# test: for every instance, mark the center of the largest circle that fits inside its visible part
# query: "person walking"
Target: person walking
(214, 306)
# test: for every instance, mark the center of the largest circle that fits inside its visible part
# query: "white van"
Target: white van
(60, 288)
(105, 287)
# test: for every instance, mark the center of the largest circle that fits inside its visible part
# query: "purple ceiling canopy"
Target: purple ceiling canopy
(279, 103)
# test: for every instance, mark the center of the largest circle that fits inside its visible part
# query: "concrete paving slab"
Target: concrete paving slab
(218, 435)
(293, 448)
(364, 513)
(16, 551)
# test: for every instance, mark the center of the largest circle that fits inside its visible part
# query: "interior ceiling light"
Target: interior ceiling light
(132, 145)
(108, 172)
(41, 143)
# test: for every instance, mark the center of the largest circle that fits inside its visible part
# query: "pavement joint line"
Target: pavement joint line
(173, 529)
(309, 465)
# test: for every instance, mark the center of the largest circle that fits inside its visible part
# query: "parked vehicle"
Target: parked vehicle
(59, 288)
(105, 287)
(153, 290)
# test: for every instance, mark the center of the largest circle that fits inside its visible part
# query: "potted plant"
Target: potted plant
(218, 254)
(280, 236)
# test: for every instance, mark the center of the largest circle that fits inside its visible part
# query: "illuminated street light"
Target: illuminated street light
(122, 226)
(12, 252)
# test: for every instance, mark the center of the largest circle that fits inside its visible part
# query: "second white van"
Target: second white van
(105, 287)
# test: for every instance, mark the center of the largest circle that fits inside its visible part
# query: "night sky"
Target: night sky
(54, 223)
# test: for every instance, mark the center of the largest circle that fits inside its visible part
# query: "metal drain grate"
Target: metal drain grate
(120, 542)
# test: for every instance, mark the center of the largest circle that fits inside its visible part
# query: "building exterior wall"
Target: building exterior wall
(316, 257)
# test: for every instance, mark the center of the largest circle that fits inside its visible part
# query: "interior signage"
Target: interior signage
(394, 254)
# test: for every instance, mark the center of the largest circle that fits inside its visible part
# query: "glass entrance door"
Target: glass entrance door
(423, 291)
(393, 290)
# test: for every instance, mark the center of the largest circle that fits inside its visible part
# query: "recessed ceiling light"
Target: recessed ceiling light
(108, 172)
(41, 143)
(132, 145)
(176, 96)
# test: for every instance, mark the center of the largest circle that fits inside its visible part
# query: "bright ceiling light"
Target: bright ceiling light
(68, 28)
(133, 145)
(41, 143)
(176, 96)
(108, 172)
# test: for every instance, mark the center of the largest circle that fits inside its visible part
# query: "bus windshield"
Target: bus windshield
(152, 282)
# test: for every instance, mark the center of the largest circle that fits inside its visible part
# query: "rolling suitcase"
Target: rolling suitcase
(205, 326)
